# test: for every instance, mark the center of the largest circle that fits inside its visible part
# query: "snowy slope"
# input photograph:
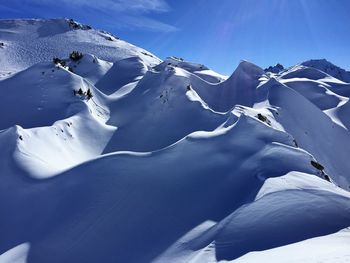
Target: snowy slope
(239, 88)
(313, 131)
(123, 72)
(159, 111)
(27, 42)
(329, 68)
(45, 93)
(318, 208)
(89, 67)
(118, 156)
(330, 248)
(132, 210)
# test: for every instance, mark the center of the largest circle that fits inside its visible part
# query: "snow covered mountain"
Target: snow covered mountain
(329, 68)
(108, 154)
(275, 69)
(26, 42)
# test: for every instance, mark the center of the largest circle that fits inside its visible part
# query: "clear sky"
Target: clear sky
(217, 33)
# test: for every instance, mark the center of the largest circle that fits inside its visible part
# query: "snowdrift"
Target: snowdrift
(117, 156)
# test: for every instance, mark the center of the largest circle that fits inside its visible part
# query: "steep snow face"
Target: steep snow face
(340, 114)
(27, 42)
(313, 130)
(116, 156)
(123, 72)
(239, 88)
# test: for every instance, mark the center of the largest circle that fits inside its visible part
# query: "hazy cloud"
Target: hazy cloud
(135, 6)
(124, 13)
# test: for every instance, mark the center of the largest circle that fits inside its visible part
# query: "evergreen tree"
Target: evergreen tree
(89, 94)
(75, 55)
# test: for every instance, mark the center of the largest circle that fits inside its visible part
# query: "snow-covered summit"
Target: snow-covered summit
(29, 41)
(328, 67)
(108, 154)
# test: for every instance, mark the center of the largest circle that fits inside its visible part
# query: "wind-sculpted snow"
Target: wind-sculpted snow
(146, 201)
(239, 88)
(266, 223)
(313, 131)
(123, 72)
(159, 112)
(116, 156)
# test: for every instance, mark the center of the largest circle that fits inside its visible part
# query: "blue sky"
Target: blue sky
(216, 33)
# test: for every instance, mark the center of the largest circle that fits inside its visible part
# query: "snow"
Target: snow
(329, 68)
(44, 92)
(168, 161)
(28, 42)
(90, 67)
(265, 223)
(122, 73)
(330, 248)
(16, 255)
(317, 92)
(239, 88)
(314, 131)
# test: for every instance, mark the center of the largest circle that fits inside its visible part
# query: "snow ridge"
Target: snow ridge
(117, 156)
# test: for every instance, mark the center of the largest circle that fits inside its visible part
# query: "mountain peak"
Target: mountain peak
(275, 69)
(38, 40)
(329, 68)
